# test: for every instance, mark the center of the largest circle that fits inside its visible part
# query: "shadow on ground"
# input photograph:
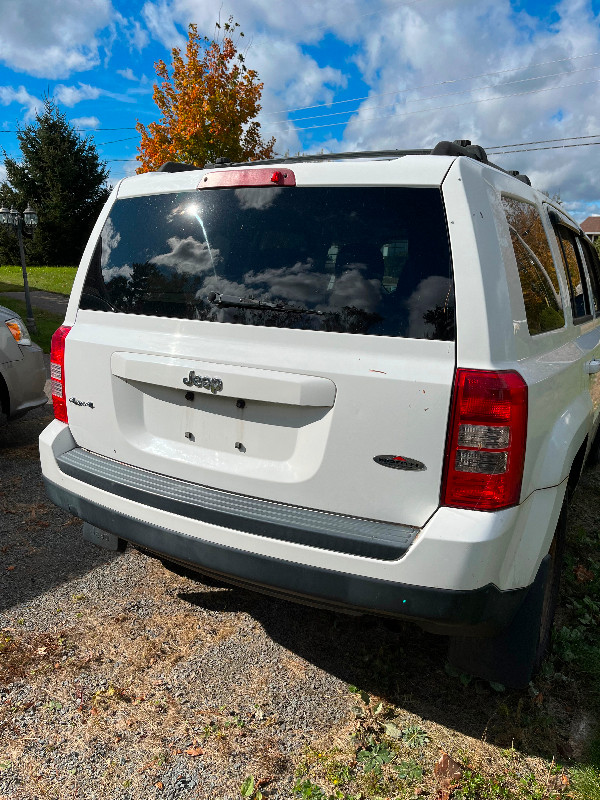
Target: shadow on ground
(40, 545)
(394, 661)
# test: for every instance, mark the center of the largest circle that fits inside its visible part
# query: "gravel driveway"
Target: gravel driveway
(120, 680)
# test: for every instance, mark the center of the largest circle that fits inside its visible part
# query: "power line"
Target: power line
(453, 105)
(116, 141)
(541, 141)
(436, 96)
(397, 91)
(431, 85)
(550, 147)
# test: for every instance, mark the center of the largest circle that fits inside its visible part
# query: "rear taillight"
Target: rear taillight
(57, 372)
(486, 442)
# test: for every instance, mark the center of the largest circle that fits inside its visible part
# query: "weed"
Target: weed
(310, 791)
(250, 790)
(374, 756)
(478, 787)
(409, 771)
(585, 782)
(414, 736)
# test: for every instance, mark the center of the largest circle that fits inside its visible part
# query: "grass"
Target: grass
(48, 279)
(539, 744)
(46, 322)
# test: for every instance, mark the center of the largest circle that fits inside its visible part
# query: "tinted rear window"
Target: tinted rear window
(352, 260)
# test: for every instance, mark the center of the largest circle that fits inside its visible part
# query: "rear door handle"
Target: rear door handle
(593, 366)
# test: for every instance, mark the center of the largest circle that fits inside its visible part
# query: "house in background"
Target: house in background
(591, 226)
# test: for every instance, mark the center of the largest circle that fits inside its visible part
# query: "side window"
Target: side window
(539, 281)
(580, 302)
(593, 269)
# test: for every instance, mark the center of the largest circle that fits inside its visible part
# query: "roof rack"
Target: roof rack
(463, 147)
(459, 147)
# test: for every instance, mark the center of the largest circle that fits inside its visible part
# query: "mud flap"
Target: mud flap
(509, 657)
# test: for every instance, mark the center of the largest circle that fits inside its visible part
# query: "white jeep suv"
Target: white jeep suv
(364, 380)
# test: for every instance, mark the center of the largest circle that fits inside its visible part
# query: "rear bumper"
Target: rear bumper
(480, 611)
(457, 574)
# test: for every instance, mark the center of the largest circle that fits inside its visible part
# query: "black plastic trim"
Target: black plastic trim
(481, 611)
(335, 532)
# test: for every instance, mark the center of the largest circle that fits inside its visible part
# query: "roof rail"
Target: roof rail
(459, 147)
(463, 147)
(175, 166)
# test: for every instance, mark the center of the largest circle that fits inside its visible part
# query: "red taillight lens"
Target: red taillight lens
(486, 442)
(57, 372)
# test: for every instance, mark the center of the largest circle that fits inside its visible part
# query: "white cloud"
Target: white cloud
(161, 22)
(419, 46)
(54, 38)
(137, 36)
(28, 102)
(128, 74)
(2, 173)
(71, 95)
(90, 123)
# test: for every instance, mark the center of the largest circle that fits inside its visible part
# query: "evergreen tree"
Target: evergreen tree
(61, 176)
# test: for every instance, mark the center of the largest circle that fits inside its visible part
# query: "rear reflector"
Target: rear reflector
(237, 178)
(57, 373)
(485, 453)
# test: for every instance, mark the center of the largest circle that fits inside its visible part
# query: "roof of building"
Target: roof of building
(591, 224)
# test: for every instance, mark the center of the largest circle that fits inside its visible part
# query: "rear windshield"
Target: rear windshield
(371, 261)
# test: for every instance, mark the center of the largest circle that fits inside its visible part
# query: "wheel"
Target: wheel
(513, 656)
(594, 455)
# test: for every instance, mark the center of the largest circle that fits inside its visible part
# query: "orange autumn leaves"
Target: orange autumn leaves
(208, 103)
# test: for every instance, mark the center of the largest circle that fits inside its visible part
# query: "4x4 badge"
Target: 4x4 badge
(204, 382)
(400, 462)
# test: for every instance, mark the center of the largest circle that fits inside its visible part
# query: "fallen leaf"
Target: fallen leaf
(10, 569)
(392, 730)
(160, 785)
(582, 574)
(194, 751)
(447, 767)
(41, 651)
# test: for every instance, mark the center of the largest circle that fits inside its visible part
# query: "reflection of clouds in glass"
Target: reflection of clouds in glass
(352, 290)
(110, 240)
(213, 283)
(431, 292)
(293, 284)
(110, 273)
(257, 198)
(188, 255)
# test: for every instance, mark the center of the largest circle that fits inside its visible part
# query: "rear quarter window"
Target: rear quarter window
(537, 273)
(362, 260)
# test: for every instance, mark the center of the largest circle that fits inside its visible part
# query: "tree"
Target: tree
(61, 176)
(208, 106)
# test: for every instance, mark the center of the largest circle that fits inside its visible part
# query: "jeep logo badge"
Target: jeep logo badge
(204, 382)
(400, 462)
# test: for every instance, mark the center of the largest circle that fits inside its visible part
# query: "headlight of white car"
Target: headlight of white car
(18, 331)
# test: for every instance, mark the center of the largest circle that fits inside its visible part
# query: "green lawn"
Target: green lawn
(46, 322)
(50, 279)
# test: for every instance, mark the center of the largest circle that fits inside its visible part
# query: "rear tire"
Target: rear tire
(516, 654)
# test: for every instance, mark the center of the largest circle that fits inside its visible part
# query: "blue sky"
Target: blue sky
(345, 75)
